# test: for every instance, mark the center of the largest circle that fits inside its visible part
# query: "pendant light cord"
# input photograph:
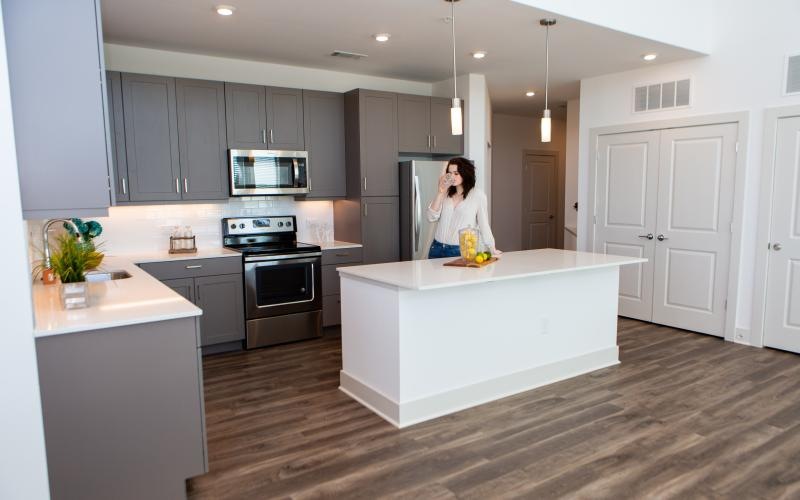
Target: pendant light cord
(546, 64)
(453, 22)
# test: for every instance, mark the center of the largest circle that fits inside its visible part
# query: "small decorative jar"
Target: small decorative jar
(74, 295)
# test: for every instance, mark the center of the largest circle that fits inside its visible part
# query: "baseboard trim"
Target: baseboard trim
(413, 412)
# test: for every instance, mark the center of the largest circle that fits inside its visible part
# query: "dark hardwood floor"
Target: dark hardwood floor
(684, 416)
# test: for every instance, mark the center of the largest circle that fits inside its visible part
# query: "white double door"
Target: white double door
(667, 195)
(782, 312)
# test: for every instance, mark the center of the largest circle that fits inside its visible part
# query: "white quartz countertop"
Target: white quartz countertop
(432, 274)
(138, 299)
(165, 256)
(335, 245)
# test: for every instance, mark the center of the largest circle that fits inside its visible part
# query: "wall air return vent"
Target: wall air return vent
(347, 55)
(662, 96)
(792, 75)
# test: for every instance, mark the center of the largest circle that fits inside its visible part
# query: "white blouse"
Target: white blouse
(453, 218)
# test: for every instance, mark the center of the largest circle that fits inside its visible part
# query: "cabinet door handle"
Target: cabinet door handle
(195, 266)
(124, 186)
(197, 293)
(429, 141)
(365, 209)
(365, 183)
(271, 138)
(177, 185)
(264, 135)
(185, 184)
(434, 141)
(344, 254)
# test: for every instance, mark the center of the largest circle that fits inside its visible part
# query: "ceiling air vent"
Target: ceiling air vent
(667, 95)
(348, 55)
(793, 74)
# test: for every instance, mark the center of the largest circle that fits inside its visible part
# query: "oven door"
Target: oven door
(282, 284)
(267, 172)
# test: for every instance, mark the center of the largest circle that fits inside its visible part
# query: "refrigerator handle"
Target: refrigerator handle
(417, 221)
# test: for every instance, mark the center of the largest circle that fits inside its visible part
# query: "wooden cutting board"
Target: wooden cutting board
(463, 263)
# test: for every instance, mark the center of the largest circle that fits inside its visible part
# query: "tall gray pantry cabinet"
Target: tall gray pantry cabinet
(60, 128)
(370, 214)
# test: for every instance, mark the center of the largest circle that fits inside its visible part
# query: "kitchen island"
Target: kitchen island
(421, 340)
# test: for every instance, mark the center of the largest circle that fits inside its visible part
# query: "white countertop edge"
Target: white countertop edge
(353, 272)
(333, 245)
(114, 324)
(165, 256)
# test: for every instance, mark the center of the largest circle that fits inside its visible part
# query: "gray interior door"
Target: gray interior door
(201, 134)
(220, 298)
(380, 228)
(151, 137)
(285, 118)
(116, 132)
(246, 116)
(378, 126)
(539, 201)
(444, 142)
(414, 123)
(323, 122)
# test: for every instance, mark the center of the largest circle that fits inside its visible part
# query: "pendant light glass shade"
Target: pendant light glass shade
(546, 126)
(456, 120)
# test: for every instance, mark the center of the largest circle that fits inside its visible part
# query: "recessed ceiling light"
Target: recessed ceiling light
(530, 93)
(382, 37)
(479, 54)
(225, 10)
(649, 57)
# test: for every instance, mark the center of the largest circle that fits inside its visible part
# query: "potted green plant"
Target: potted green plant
(70, 262)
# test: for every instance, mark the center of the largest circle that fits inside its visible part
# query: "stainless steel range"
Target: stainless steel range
(282, 279)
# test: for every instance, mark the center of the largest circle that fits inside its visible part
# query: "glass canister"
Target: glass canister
(469, 242)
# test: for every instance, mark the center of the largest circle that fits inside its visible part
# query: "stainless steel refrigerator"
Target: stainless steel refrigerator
(419, 182)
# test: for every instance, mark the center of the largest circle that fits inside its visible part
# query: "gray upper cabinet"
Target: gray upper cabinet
(371, 141)
(285, 119)
(59, 122)
(380, 229)
(443, 140)
(414, 123)
(246, 113)
(116, 122)
(324, 137)
(220, 298)
(202, 142)
(151, 137)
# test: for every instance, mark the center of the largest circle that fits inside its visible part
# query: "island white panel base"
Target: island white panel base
(414, 355)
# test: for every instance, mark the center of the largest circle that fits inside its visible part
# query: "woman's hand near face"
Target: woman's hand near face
(443, 184)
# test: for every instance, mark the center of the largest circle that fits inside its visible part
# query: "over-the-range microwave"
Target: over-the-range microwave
(255, 172)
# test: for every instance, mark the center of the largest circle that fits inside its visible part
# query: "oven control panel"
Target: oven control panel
(258, 225)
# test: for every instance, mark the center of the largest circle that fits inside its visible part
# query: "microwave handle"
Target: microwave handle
(296, 167)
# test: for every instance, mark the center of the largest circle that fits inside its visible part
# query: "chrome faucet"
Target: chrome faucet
(46, 228)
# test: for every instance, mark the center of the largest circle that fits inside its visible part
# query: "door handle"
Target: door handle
(418, 213)
(429, 141)
(124, 186)
(649, 236)
(196, 266)
(777, 247)
(434, 141)
(264, 135)
(661, 237)
(365, 183)
(551, 216)
(185, 184)
(271, 138)
(177, 186)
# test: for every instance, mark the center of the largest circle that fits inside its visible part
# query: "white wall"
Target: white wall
(186, 65)
(23, 465)
(511, 135)
(744, 73)
(684, 23)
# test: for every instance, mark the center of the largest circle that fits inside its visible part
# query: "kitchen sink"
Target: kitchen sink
(92, 276)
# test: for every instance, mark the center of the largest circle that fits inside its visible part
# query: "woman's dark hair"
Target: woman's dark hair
(466, 169)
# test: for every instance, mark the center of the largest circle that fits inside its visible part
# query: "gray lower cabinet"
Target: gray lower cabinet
(55, 72)
(116, 123)
(123, 411)
(380, 229)
(285, 119)
(151, 137)
(246, 116)
(324, 137)
(442, 139)
(213, 285)
(202, 139)
(331, 300)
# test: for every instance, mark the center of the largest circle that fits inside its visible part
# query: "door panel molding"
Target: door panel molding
(586, 218)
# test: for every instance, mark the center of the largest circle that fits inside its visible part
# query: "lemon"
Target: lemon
(479, 259)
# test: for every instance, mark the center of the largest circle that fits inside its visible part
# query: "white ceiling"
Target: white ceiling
(305, 32)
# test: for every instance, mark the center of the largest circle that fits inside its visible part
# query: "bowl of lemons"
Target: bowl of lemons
(471, 246)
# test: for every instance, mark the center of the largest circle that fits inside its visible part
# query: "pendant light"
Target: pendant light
(456, 125)
(546, 125)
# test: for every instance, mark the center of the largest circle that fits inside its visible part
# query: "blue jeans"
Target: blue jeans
(439, 250)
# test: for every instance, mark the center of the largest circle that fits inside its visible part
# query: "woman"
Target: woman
(459, 204)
